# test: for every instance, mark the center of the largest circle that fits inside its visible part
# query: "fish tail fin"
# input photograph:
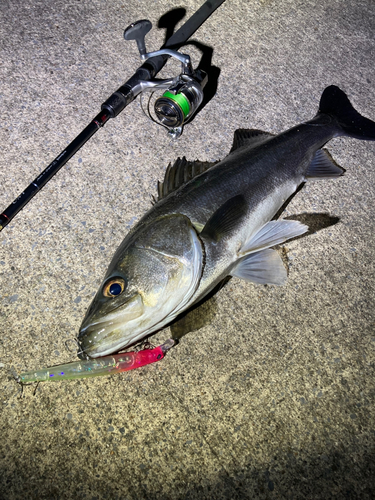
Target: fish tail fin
(334, 102)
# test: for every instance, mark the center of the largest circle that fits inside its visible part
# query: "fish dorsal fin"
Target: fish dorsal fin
(181, 172)
(225, 218)
(323, 166)
(249, 138)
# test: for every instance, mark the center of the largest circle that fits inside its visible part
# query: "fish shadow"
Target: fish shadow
(199, 315)
(315, 222)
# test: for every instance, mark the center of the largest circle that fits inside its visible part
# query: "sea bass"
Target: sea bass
(212, 221)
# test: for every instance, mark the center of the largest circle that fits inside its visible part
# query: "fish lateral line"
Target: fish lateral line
(95, 367)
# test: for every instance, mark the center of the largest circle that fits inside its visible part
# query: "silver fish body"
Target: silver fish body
(212, 221)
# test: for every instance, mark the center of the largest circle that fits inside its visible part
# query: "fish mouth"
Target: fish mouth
(106, 335)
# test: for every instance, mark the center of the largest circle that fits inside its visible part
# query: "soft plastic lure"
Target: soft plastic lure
(107, 365)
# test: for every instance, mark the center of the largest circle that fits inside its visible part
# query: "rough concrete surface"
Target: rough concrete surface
(274, 397)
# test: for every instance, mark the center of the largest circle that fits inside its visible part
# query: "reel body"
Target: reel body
(180, 102)
(183, 94)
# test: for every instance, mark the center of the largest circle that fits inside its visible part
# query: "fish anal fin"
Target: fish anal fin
(181, 172)
(249, 138)
(264, 267)
(225, 219)
(323, 166)
(273, 233)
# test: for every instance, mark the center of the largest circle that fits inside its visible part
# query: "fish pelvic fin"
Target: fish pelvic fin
(260, 264)
(334, 102)
(264, 267)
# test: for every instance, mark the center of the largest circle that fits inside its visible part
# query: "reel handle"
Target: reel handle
(137, 31)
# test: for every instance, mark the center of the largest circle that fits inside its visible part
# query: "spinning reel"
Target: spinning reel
(182, 95)
(181, 98)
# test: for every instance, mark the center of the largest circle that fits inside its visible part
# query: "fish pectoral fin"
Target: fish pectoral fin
(273, 233)
(249, 138)
(225, 219)
(323, 166)
(265, 268)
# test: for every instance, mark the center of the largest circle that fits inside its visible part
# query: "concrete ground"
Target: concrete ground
(274, 396)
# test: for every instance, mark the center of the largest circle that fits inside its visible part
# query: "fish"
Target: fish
(212, 220)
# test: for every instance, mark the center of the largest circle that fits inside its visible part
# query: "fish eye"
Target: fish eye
(114, 287)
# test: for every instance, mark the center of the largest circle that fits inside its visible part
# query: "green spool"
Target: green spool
(179, 99)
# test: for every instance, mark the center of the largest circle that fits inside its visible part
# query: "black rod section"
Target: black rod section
(52, 169)
(192, 24)
(111, 108)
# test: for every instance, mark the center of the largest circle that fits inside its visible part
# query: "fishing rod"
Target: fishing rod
(182, 96)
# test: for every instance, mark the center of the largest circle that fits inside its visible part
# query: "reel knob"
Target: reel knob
(137, 31)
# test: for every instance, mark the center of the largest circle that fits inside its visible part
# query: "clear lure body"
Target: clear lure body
(107, 365)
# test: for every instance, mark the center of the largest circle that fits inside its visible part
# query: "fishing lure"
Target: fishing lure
(107, 365)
